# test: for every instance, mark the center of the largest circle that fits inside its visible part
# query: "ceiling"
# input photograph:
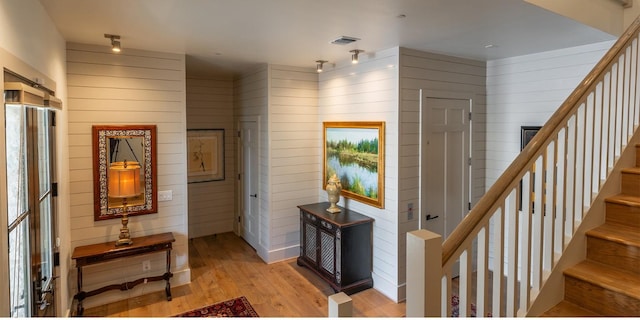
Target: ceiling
(232, 35)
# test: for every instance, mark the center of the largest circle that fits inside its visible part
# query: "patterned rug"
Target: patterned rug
(455, 308)
(238, 307)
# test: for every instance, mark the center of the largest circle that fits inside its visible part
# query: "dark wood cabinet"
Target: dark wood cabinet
(337, 247)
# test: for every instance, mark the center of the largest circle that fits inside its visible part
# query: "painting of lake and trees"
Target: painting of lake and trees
(354, 152)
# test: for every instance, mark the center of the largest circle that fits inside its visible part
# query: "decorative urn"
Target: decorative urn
(333, 191)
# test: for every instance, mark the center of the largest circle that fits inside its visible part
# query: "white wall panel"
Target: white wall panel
(526, 91)
(293, 99)
(133, 87)
(369, 91)
(444, 76)
(212, 203)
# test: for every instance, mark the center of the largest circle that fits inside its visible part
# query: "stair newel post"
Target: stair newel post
(424, 274)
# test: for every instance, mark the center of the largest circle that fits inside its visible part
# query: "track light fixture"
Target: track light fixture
(354, 55)
(319, 65)
(115, 44)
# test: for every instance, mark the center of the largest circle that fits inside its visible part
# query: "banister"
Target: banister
(480, 211)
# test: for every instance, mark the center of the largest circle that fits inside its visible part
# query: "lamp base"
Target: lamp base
(125, 236)
(123, 242)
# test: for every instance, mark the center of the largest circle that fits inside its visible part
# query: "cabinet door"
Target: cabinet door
(309, 237)
(328, 248)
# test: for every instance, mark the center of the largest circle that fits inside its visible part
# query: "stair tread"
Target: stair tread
(607, 277)
(633, 170)
(568, 309)
(624, 199)
(627, 235)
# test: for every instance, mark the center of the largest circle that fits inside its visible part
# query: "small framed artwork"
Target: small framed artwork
(526, 134)
(354, 152)
(205, 152)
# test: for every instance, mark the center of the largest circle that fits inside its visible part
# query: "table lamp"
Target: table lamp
(124, 182)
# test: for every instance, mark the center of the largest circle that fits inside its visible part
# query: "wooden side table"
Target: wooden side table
(103, 252)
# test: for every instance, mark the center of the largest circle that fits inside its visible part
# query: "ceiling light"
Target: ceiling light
(115, 44)
(319, 65)
(354, 56)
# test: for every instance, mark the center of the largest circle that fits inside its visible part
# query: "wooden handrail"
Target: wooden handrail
(519, 166)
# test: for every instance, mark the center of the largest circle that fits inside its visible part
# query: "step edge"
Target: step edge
(570, 272)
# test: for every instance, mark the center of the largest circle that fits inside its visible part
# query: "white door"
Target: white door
(249, 203)
(445, 164)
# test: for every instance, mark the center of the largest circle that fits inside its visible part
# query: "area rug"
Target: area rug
(238, 307)
(455, 308)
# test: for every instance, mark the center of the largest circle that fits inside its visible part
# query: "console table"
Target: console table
(103, 252)
(337, 247)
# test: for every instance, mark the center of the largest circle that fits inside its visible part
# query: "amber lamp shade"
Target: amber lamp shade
(124, 182)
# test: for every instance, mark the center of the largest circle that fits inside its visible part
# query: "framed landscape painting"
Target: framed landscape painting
(354, 152)
(205, 152)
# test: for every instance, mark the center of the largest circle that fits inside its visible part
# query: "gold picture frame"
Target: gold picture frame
(205, 155)
(354, 152)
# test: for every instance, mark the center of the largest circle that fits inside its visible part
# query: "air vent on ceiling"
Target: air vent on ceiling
(344, 40)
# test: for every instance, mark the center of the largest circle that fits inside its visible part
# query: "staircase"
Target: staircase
(607, 283)
(560, 173)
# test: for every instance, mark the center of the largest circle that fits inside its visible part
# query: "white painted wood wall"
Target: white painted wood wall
(285, 98)
(441, 76)
(368, 91)
(525, 91)
(210, 106)
(251, 100)
(133, 87)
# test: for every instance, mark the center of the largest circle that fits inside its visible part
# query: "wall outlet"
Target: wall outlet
(410, 211)
(146, 265)
(166, 195)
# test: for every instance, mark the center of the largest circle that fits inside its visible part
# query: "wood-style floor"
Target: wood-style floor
(225, 267)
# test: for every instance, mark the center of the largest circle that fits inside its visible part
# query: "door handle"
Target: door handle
(253, 195)
(429, 217)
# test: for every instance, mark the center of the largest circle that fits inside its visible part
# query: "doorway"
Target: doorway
(445, 163)
(249, 178)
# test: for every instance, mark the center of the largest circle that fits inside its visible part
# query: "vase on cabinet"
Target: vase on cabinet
(333, 191)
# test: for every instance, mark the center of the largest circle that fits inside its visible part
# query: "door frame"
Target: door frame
(241, 195)
(452, 95)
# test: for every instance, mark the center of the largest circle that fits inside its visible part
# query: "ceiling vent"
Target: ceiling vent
(343, 40)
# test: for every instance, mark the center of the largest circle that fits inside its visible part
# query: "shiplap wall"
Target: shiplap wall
(133, 87)
(286, 100)
(295, 136)
(251, 98)
(439, 76)
(368, 91)
(525, 91)
(212, 203)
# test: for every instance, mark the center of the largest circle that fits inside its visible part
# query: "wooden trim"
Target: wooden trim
(512, 174)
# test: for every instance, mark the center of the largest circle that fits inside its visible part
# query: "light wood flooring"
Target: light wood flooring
(225, 267)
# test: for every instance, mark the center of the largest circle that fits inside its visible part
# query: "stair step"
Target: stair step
(603, 289)
(615, 245)
(631, 181)
(568, 309)
(623, 209)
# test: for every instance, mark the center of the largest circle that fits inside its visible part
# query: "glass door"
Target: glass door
(29, 141)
